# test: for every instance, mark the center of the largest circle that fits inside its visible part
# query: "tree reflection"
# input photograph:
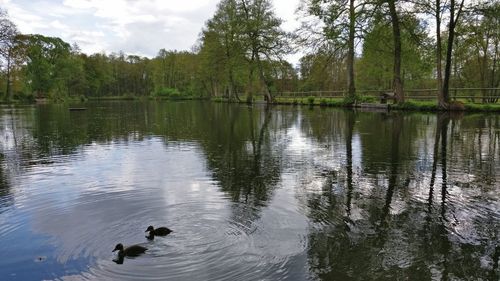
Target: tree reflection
(391, 239)
(399, 195)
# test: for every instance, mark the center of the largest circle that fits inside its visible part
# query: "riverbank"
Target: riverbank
(369, 102)
(410, 105)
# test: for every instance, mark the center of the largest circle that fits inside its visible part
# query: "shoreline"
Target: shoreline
(410, 105)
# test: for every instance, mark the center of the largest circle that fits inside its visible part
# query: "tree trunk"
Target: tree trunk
(397, 83)
(350, 55)
(493, 83)
(249, 88)
(267, 93)
(451, 38)
(9, 80)
(442, 103)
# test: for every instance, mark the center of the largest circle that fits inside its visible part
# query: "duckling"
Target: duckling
(160, 231)
(131, 251)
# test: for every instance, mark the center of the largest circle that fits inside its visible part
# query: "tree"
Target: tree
(8, 52)
(45, 63)
(340, 19)
(98, 75)
(477, 50)
(396, 33)
(222, 40)
(263, 39)
(435, 8)
(323, 71)
(376, 63)
(445, 99)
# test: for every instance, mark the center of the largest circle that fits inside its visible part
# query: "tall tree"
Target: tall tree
(477, 53)
(376, 62)
(445, 99)
(8, 35)
(46, 58)
(396, 31)
(340, 19)
(263, 39)
(225, 29)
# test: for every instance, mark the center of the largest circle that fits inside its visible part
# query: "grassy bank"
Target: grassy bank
(410, 105)
(124, 98)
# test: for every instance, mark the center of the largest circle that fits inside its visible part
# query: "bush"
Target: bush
(310, 100)
(367, 99)
(166, 92)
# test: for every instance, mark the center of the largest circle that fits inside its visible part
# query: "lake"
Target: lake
(251, 193)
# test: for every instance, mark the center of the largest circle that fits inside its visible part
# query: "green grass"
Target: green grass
(124, 97)
(410, 105)
(493, 107)
(416, 105)
(432, 106)
(312, 101)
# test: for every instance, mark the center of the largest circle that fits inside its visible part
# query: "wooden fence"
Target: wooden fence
(471, 94)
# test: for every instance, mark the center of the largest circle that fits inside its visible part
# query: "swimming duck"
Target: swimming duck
(160, 231)
(131, 251)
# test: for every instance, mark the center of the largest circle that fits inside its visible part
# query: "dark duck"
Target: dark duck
(130, 251)
(160, 231)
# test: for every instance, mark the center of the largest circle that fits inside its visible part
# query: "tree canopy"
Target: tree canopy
(241, 54)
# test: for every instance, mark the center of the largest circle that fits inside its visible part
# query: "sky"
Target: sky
(139, 27)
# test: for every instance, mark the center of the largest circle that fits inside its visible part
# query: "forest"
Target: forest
(351, 47)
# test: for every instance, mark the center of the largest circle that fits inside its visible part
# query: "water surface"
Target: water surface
(252, 193)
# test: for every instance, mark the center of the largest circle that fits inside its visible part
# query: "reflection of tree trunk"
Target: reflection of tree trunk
(443, 122)
(262, 132)
(351, 119)
(257, 146)
(397, 124)
(444, 140)
(439, 124)
(495, 273)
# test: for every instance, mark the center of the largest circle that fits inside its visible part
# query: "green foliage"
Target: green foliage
(417, 105)
(46, 68)
(310, 100)
(375, 67)
(239, 54)
(166, 92)
(367, 99)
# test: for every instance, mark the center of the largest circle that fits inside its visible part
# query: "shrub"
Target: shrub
(310, 100)
(166, 92)
(367, 99)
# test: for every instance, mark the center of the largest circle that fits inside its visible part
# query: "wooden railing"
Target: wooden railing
(455, 93)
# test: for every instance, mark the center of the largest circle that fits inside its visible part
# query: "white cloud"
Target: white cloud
(137, 27)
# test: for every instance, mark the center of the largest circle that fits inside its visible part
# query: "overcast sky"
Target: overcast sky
(140, 27)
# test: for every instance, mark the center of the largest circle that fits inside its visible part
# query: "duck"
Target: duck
(160, 231)
(130, 251)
